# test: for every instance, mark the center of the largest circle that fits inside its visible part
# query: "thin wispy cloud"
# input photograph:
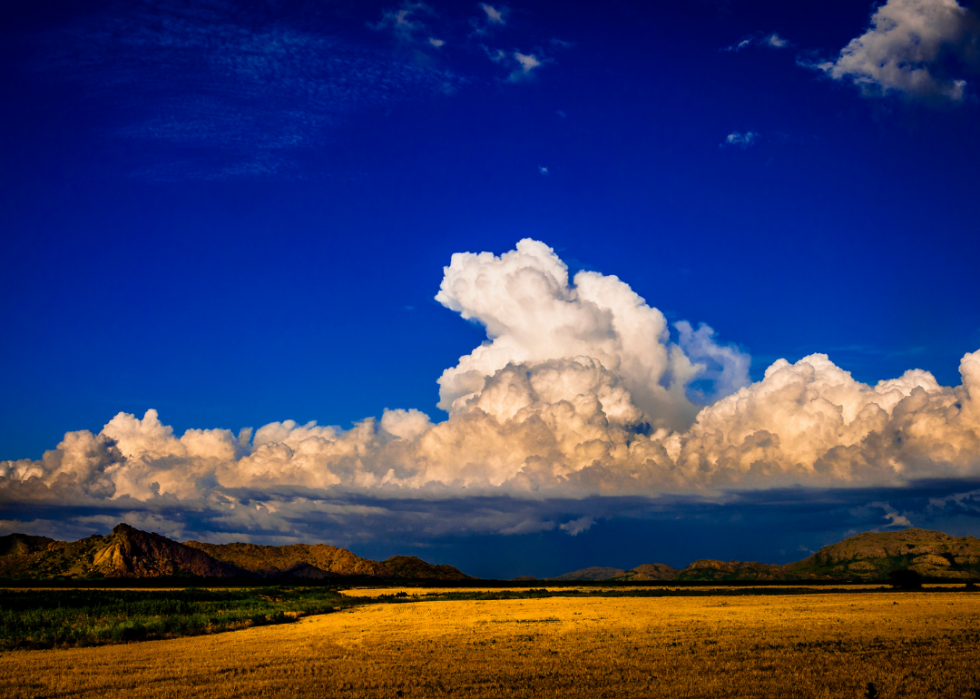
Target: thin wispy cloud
(196, 92)
(494, 16)
(773, 41)
(739, 139)
(206, 92)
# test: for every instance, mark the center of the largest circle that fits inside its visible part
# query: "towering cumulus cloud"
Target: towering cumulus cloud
(579, 390)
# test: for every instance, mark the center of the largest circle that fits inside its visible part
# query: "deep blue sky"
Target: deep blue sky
(237, 216)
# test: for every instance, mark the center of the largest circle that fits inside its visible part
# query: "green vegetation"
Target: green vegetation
(62, 618)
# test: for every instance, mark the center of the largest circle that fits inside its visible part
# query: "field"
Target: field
(907, 644)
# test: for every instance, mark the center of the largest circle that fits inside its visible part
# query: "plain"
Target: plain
(908, 644)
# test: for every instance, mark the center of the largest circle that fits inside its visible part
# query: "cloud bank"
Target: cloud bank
(581, 389)
(918, 48)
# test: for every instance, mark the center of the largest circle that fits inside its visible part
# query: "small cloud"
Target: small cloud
(528, 62)
(742, 140)
(891, 514)
(436, 42)
(494, 16)
(561, 113)
(495, 55)
(542, 169)
(577, 526)
(773, 41)
(404, 22)
(529, 526)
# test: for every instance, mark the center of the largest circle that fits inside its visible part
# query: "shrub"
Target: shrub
(905, 579)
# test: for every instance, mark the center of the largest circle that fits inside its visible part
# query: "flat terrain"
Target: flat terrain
(423, 592)
(815, 645)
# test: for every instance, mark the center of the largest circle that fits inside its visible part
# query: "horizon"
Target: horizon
(489, 282)
(554, 576)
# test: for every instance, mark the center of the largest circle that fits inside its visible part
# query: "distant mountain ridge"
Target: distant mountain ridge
(131, 553)
(868, 556)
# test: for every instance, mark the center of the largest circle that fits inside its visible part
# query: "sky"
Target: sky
(521, 288)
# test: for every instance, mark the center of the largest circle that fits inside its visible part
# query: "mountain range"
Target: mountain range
(868, 556)
(131, 553)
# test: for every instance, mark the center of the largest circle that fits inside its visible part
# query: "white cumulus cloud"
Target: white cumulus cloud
(906, 50)
(579, 390)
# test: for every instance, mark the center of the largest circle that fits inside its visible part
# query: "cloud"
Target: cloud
(580, 389)
(895, 519)
(528, 62)
(209, 91)
(523, 64)
(577, 526)
(404, 22)
(742, 140)
(773, 41)
(542, 169)
(494, 16)
(529, 526)
(917, 48)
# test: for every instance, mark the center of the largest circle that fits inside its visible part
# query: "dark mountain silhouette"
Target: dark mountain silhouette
(131, 553)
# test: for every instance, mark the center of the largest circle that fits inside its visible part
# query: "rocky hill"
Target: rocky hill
(874, 555)
(125, 553)
(593, 573)
(297, 560)
(650, 571)
(131, 553)
(412, 568)
(869, 556)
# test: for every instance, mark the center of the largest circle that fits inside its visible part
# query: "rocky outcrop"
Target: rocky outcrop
(131, 553)
(873, 555)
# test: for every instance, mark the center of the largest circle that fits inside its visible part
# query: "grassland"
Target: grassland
(417, 593)
(908, 644)
(42, 618)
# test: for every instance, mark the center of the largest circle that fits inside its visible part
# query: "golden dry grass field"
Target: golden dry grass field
(816, 645)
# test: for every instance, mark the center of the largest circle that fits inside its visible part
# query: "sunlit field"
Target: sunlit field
(820, 645)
